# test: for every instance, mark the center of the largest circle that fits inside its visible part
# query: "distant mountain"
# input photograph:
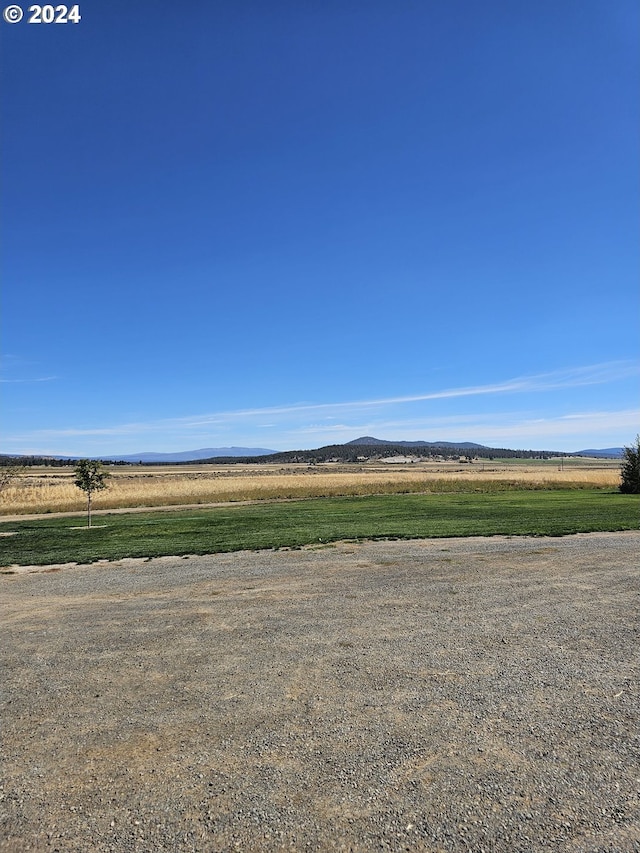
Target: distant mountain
(370, 441)
(607, 453)
(358, 450)
(148, 457)
(191, 455)
(369, 448)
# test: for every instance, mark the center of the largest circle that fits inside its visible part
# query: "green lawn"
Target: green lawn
(276, 525)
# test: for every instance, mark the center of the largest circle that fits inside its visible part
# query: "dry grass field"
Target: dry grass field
(52, 489)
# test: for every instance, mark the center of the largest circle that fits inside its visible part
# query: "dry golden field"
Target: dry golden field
(48, 489)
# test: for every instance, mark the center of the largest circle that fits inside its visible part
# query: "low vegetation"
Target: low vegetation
(630, 472)
(317, 522)
(40, 490)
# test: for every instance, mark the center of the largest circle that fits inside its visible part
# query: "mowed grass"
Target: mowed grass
(319, 521)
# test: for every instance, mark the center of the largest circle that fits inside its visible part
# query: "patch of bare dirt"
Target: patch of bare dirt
(433, 695)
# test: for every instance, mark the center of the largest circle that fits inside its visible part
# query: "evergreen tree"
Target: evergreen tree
(630, 472)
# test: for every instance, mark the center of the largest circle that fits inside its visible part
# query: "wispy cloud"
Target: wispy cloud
(557, 380)
(12, 363)
(577, 426)
(121, 429)
(307, 423)
(36, 379)
(497, 428)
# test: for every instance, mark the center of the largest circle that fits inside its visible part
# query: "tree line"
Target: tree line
(362, 452)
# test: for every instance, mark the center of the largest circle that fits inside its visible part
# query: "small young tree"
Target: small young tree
(630, 471)
(90, 477)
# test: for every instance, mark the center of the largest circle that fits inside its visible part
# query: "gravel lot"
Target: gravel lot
(432, 695)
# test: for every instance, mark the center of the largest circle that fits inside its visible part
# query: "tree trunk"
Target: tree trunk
(88, 509)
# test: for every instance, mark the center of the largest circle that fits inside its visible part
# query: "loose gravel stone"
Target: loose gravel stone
(431, 695)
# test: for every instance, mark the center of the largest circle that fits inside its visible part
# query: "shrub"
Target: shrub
(630, 472)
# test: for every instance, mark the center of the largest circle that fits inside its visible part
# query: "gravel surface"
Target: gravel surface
(432, 695)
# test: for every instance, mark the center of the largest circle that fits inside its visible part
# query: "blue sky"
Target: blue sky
(288, 224)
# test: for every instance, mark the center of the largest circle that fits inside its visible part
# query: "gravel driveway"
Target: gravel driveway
(432, 695)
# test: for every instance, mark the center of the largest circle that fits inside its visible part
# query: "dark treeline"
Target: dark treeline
(363, 452)
(28, 461)
(332, 453)
(51, 461)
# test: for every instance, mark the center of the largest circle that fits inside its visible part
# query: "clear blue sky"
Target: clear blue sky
(286, 224)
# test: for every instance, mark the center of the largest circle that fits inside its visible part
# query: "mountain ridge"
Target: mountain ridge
(370, 441)
(149, 456)
(364, 447)
(192, 455)
(604, 453)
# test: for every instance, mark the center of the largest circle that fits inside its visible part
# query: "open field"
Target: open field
(434, 695)
(52, 489)
(48, 540)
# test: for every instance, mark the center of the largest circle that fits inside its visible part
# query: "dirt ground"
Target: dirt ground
(434, 695)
